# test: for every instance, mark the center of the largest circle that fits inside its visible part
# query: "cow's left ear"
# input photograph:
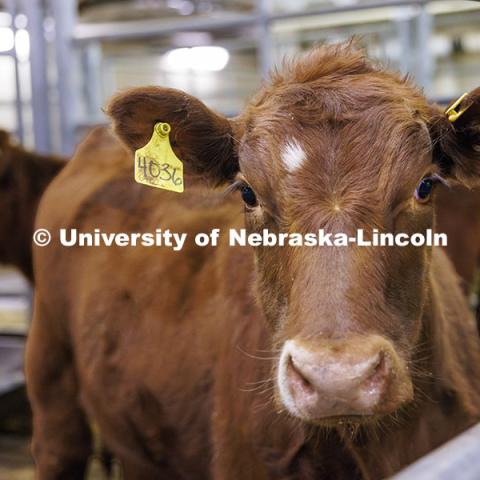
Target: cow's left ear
(203, 140)
(456, 139)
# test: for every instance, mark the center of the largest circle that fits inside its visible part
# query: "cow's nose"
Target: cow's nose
(360, 376)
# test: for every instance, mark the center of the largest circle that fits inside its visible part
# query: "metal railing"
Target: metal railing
(72, 37)
(74, 40)
(11, 8)
(458, 459)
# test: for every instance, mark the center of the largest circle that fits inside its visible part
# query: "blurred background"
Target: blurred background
(60, 60)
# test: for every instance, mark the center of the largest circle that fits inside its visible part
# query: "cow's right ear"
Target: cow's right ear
(202, 139)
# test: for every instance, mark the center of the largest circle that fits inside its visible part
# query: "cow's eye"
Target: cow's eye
(248, 196)
(424, 189)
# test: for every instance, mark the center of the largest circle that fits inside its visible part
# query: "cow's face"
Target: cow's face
(332, 144)
(346, 318)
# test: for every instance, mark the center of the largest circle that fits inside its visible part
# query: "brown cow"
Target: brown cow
(458, 214)
(24, 175)
(268, 363)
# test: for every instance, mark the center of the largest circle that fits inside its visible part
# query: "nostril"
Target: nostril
(379, 371)
(298, 381)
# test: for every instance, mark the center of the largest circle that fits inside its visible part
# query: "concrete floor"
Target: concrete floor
(16, 462)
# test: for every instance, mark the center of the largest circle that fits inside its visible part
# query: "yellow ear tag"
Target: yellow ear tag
(452, 113)
(156, 164)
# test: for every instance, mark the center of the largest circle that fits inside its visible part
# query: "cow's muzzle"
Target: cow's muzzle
(342, 377)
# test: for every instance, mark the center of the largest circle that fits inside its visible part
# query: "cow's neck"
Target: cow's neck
(447, 391)
(452, 335)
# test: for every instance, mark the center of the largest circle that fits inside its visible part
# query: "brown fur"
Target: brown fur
(458, 214)
(24, 175)
(173, 355)
(457, 208)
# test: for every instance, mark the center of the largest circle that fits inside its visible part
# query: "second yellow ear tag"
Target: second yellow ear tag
(156, 164)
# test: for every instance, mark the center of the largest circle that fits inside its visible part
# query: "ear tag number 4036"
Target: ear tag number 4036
(156, 164)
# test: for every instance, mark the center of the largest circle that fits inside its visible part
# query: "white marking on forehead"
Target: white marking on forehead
(293, 155)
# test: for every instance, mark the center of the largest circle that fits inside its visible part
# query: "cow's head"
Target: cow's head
(24, 176)
(336, 143)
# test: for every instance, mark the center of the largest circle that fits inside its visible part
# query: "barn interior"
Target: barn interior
(61, 60)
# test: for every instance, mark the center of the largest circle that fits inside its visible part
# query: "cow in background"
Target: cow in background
(458, 214)
(24, 175)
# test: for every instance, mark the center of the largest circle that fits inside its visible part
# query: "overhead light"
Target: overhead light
(21, 21)
(184, 7)
(22, 45)
(197, 59)
(5, 19)
(20, 41)
(7, 40)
